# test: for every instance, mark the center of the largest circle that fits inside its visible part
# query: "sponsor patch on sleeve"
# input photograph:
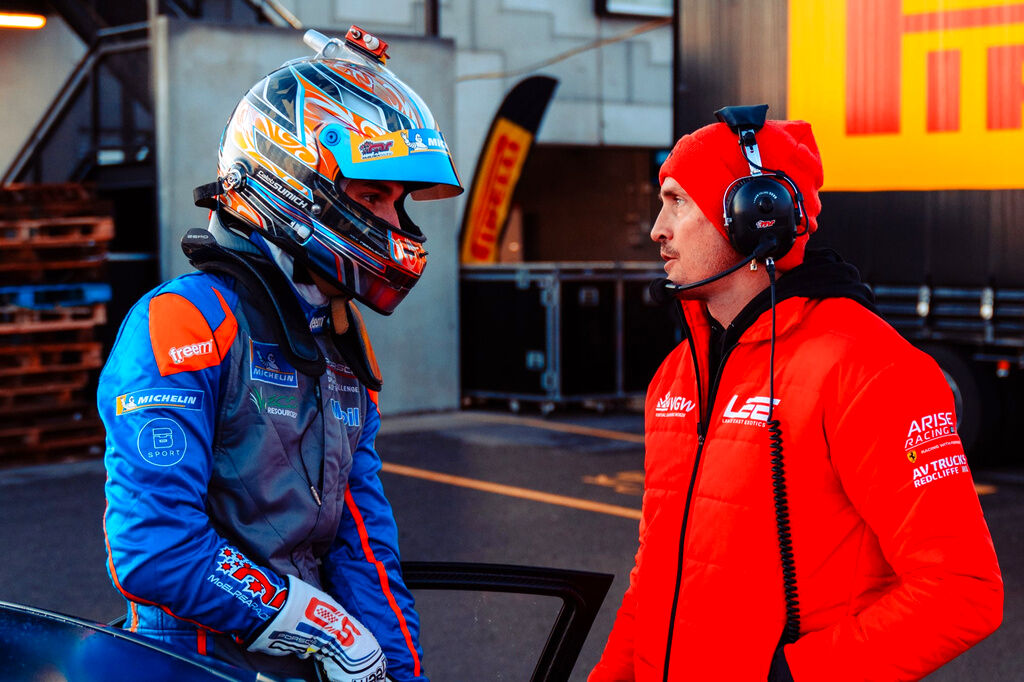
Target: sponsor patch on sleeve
(174, 398)
(928, 437)
(940, 468)
(247, 583)
(181, 337)
(162, 442)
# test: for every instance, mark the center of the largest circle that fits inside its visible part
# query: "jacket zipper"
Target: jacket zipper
(312, 483)
(703, 424)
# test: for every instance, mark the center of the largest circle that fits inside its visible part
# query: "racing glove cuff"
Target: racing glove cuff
(312, 622)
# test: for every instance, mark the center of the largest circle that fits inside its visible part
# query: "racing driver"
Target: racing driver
(245, 518)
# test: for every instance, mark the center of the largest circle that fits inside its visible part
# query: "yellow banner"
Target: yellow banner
(911, 94)
(493, 186)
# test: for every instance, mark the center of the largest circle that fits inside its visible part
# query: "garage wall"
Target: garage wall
(35, 66)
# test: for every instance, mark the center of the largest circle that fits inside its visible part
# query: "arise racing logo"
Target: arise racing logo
(673, 406)
(928, 428)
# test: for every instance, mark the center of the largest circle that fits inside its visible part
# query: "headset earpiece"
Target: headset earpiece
(766, 205)
(758, 208)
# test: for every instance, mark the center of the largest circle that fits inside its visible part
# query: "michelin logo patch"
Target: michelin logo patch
(176, 398)
(162, 442)
(267, 364)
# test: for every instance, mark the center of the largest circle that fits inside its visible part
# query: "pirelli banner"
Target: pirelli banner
(911, 94)
(497, 171)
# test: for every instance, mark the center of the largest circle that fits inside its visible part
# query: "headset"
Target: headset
(763, 211)
(766, 204)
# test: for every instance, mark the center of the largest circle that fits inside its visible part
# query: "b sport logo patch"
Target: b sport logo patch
(162, 442)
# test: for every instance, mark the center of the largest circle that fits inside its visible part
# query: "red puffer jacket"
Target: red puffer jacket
(895, 566)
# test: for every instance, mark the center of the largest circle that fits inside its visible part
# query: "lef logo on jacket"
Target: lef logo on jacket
(753, 411)
(673, 406)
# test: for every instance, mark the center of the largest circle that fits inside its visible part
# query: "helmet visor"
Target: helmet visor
(415, 155)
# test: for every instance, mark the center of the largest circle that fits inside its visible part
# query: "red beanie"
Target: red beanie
(706, 162)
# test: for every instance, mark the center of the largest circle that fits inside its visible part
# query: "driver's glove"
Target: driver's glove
(312, 622)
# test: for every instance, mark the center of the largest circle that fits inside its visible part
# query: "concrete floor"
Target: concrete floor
(470, 486)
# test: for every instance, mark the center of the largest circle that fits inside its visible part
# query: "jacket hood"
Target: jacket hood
(823, 274)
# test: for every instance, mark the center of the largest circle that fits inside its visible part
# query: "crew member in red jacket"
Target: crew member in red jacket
(808, 512)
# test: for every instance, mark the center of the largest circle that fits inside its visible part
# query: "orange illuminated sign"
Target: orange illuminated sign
(10, 20)
(911, 94)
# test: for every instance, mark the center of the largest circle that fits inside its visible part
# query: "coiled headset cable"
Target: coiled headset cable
(791, 631)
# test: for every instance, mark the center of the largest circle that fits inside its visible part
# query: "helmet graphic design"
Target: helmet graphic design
(300, 134)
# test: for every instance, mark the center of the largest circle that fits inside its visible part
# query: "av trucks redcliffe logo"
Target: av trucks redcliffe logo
(934, 88)
(939, 469)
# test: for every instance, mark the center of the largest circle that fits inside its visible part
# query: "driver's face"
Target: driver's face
(380, 196)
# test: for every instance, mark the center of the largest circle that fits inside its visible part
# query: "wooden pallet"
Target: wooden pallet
(48, 358)
(31, 268)
(53, 232)
(17, 320)
(71, 405)
(45, 383)
(29, 259)
(50, 200)
(83, 335)
(52, 441)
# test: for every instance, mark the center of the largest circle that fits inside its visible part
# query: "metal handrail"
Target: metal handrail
(275, 13)
(68, 91)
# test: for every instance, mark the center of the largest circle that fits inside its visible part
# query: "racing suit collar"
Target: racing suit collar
(312, 301)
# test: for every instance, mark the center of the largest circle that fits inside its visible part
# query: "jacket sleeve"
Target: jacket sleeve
(363, 570)
(616, 664)
(158, 397)
(900, 461)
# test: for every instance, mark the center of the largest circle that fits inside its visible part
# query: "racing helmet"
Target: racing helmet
(302, 133)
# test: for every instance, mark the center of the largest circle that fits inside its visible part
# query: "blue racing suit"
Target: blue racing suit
(229, 468)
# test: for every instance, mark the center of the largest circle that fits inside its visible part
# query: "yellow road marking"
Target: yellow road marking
(985, 489)
(512, 491)
(557, 426)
